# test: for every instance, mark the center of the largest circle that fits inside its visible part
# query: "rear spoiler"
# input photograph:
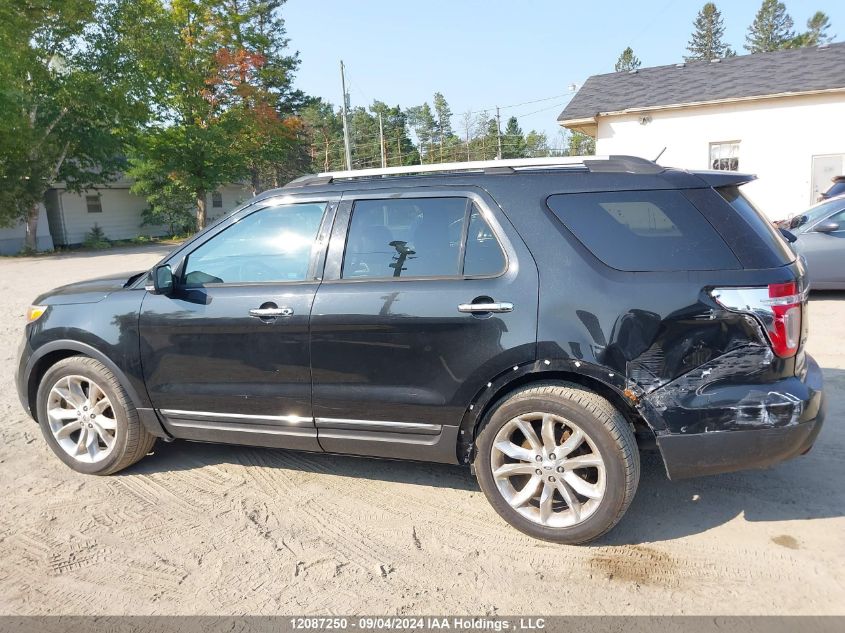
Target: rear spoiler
(724, 178)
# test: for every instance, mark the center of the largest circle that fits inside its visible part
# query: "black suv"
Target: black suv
(540, 319)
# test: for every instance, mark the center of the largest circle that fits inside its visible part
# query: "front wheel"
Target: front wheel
(88, 419)
(558, 462)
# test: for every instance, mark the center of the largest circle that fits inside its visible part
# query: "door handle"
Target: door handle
(269, 313)
(498, 306)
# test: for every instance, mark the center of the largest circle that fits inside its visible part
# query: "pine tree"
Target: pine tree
(513, 142)
(817, 27)
(816, 32)
(771, 30)
(627, 61)
(443, 115)
(422, 121)
(706, 42)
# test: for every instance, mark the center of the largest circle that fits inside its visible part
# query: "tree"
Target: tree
(581, 144)
(627, 61)
(170, 202)
(422, 121)
(469, 129)
(817, 27)
(398, 148)
(443, 127)
(323, 130)
(67, 99)
(536, 144)
(255, 74)
(771, 29)
(513, 142)
(222, 86)
(706, 42)
(816, 33)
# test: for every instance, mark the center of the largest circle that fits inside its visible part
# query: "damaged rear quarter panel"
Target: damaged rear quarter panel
(740, 390)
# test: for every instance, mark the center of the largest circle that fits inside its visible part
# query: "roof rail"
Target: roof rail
(605, 164)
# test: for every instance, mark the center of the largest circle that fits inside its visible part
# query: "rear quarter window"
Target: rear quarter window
(642, 231)
(754, 236)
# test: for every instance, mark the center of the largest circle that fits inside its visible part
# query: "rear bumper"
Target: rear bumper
(694, 454)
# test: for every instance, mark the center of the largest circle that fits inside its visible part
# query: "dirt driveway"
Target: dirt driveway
(217, 529)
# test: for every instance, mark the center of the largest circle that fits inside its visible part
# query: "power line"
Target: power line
(516, 105)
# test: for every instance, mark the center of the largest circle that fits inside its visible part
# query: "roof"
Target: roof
(629, 164)
(801, 70)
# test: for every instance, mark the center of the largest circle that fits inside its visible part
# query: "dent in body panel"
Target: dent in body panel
(740, 390)
(698, 369)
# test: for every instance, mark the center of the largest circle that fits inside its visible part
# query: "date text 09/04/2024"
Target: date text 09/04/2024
(418, 623)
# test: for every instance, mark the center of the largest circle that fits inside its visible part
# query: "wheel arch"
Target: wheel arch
(51, 353)
(596, 379)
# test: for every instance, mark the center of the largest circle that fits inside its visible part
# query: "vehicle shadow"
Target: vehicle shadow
(806, 487)
(827, 295)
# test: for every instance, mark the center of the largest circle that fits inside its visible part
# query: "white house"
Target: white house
(118, 211)
(67, 216)
(778, 115)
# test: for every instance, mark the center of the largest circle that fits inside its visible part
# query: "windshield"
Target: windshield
(812, 215)
(836, 189)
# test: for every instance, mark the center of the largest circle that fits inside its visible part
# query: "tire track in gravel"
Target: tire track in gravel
(359, 549)
(425, 508)
(152, 491)
(261, 474)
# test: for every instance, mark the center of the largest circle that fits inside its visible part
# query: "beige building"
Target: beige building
(778, 115)
(66, 217)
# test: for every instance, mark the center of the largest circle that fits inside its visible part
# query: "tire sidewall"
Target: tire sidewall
(105, 380)
(605, 515)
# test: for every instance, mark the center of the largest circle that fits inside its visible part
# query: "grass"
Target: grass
(102, 245)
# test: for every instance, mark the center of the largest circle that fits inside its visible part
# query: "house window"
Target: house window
(724, 156)
(216, 200)
(94, 204)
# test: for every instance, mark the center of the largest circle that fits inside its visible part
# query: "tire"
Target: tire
(96, 437)
(571, 496)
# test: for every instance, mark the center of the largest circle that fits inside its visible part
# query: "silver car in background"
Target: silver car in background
(820, 233)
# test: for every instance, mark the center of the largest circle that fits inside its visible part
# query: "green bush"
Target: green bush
(96, 238)
(171, 202)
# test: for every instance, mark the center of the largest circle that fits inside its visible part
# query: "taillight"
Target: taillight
(786, 305)
(776, 306)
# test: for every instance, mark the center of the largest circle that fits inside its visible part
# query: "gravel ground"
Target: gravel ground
(199, 528)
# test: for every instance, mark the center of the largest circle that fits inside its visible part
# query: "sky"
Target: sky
(523, 56)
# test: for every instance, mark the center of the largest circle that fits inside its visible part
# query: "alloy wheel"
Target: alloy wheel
(548, 469)
(82, 419)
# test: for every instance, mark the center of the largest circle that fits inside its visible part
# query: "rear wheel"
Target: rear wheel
(88, 419)
(558, 462)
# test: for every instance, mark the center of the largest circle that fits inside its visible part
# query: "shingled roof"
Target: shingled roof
(747, 76)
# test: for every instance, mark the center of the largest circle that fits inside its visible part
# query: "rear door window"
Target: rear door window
(420, 237)
(644, 230)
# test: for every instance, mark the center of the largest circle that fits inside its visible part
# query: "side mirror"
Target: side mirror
(827, 227)
(160, 281)
(788, 235)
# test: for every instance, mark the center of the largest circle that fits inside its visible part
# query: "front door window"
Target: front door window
(269, 246)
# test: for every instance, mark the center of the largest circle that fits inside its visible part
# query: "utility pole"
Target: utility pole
(381, 141)
(345, 123)
(498, 134)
